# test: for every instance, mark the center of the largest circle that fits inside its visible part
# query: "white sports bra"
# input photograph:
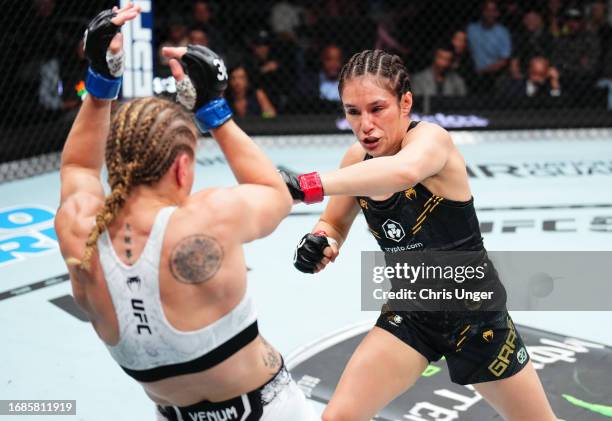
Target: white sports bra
(149, 348)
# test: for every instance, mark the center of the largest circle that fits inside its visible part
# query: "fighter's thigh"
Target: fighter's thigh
(507, 396)
(381, 368)
(290, 404)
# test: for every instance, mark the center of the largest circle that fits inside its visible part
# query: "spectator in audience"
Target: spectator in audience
(490, 45)
(177, 37)
(246, 100)
(533, 40)
(285, 19)
(598, 25)
(267, 71)
(323, 84)
(554, 19)
(331, 64)
(439, 79)
(202, 17)
(198, 36)
(462, 59)
(576, 53)
(542, 81)
(38, 79)
(309, 35)
(387, 34)
(511, 14)
(49, 87)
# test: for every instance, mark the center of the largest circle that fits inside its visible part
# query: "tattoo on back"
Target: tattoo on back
(270, 357)
(196, 259)
(128, 241)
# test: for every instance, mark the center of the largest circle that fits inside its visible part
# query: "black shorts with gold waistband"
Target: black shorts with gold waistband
(479, 347)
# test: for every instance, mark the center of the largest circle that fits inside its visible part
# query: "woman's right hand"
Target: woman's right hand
(314, 252)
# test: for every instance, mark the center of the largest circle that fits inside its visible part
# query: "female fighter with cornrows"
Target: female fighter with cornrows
(160, 271)
(411, 174)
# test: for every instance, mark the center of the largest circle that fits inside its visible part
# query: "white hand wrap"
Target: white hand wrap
(115, 63)
(186, 93)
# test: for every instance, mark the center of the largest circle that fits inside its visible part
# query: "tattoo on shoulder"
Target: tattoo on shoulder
(196, 259)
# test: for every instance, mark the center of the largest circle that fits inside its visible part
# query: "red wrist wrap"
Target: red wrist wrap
(311, 186)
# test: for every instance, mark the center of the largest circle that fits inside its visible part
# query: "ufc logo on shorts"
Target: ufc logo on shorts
(393, 230)
(501, 363)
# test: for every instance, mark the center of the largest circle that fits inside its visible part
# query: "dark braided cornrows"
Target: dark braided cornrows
(139, 150)
(388, 67)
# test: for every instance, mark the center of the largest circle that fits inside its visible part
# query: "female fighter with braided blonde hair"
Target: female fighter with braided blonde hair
(160, 271)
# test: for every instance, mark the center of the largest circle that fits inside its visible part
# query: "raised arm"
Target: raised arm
(261, 200)
(83, 153)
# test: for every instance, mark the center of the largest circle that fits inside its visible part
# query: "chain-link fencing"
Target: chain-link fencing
(519, 64)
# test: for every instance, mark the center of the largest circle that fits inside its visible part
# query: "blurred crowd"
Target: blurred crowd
(284, 56)
(288, 56)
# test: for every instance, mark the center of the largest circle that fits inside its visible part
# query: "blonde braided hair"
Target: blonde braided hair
(140, 149)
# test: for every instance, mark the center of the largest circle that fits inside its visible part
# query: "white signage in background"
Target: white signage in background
(138, 47)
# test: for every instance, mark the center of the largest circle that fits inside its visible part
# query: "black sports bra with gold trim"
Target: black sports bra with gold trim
(416, 219)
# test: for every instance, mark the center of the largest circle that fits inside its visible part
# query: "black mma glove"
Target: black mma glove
(105, 68)
(202, 91)
(306, 188)
(309, 252)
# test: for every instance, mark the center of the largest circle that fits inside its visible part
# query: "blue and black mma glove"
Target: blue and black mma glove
(202, 88)
(105, 70)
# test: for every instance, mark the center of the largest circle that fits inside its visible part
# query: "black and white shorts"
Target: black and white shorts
(279, 399)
